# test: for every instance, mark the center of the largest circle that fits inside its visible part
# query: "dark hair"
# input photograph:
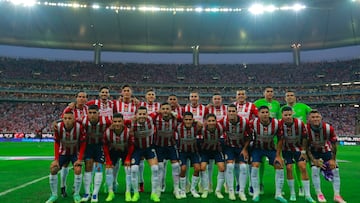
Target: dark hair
(314, 111)
(232, 105)
(80, 91)
(141, 108)
(188, 113)
(126, 85)
(210, 115)
(93, 107)
(118, 115)
(286, 108)
(263, 107)
(165, 103)
(104, 87)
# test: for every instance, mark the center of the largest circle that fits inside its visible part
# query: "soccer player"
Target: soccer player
(95, 126)
(237, 142)
(294, 151)
(165, 125)
(274, 110)
(127, 107)
(152, 107)
(300, 111)
(264, 130)
(220, 110)
(69, 146)
(118, 144)
(142, 128)
(322, 142)
(187, 132)
(105, 105)
(249, 111)
(80, 111)
(212, 136)
(176, 108)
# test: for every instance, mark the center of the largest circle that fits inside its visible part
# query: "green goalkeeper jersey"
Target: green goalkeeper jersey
(301, 111)
(274, 107)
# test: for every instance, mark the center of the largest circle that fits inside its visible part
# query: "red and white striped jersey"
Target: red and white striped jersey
(165, 131)
(151, 108)
(211, 139)
(187, 138)
(220, 111)
(143, 133)
(320, 139)
(79, 114)
(264, 134)
(293, 135)
(67, 142)
(179, 110)
(126, 109)
(247, 110)
(105, 108)
(236, 133)
(199, 112)
(95, 132)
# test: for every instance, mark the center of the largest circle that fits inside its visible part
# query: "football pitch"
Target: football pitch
(26, 180)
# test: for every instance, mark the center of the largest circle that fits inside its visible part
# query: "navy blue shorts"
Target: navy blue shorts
(115, 155)
(193, 156)
(233, 153)
(169, 153)
(95, 152)
(207, 155)
(66, 159)
(148, 153)
(291, 157)
(257, 155)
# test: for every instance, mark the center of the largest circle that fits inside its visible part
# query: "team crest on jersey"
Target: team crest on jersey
(132, 161)
(226, 156)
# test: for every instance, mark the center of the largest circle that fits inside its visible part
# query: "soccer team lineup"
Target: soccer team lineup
(100, 137)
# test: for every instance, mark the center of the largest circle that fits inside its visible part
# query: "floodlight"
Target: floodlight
(256, 9)
(95, 6)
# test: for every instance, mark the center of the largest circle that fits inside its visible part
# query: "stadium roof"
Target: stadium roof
(215, 26)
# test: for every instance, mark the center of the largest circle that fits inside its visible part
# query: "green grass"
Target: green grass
(17, 173)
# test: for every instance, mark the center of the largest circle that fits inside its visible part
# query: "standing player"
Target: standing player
(105, 105)
(274, 110)
(264, 130)
(220, 110)
(294, 151)
(300, 111)
(127, 107)
(187, 132)
(176, 108)
(69, 146)
(212, 136)
(95, 126)
(322, 142)
(118, 144)
(237, 142)
(80, 111)
(249, 111)
(165, 125)
(142, 128)
(152, 107)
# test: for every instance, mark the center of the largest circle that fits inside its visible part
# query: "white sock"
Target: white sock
(116, 172)
(154, 178)
(336, 181)
(53, 181)
(279, 181)
(243, 177)
(194, 182)
(128, 178)
(109, 177)
(77, 183)
(87, 182)
(204, 180)
(237, 173)
(255, 180)
(315, 175)
(183, 183)
(175, 174)
(134, 177)
(306, 184)
(220, 181)
(291, 186)
(63, 175)
(230, 176)
(211, 172)
(97, 182)
(141, 171)
(161, 173)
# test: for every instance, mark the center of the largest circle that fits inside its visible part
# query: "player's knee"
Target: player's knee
(54, 169)
(77, 170)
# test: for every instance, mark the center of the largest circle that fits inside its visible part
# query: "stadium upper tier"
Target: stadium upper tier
(57, 81)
